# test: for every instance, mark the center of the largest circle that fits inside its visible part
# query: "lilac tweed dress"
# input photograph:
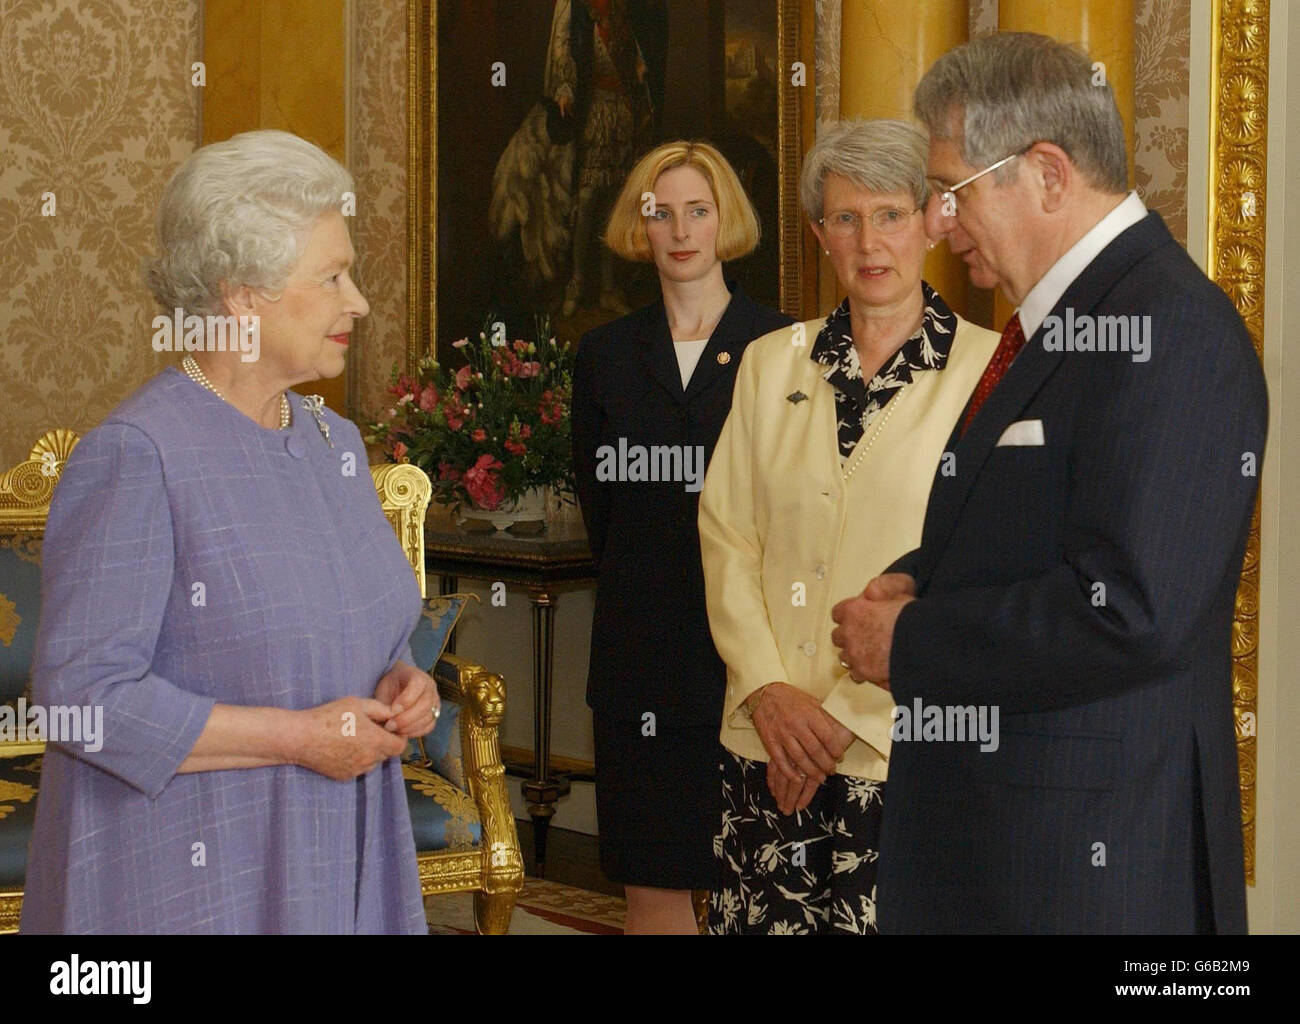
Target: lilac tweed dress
(305, 597)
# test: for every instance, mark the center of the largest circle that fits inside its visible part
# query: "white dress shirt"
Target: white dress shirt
(1052, 285)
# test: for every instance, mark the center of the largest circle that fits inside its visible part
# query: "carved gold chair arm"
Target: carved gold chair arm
(482, 697)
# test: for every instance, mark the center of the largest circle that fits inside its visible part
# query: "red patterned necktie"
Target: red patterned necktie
(1013, 340)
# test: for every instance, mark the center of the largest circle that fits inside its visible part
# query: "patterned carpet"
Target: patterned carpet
(543, 908)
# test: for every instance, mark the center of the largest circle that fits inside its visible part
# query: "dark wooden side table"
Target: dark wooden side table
(542, 563)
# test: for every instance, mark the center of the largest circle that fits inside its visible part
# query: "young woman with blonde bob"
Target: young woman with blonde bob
(651, 391)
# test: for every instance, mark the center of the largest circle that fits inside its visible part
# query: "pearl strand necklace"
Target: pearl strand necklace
(194, 373)
(889, 411)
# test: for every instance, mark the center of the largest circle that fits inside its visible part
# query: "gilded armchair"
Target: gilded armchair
(488, 864)
(25, 493)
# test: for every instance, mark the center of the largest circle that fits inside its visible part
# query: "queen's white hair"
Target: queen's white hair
(239, 212)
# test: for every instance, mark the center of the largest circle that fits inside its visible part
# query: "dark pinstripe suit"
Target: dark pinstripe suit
(1115, 717)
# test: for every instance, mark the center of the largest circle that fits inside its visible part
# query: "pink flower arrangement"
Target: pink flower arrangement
(490, 429)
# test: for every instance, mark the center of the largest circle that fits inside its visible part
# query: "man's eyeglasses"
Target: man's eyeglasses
(948, 193)
(846, 223)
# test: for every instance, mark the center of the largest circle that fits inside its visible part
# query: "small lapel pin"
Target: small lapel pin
(794, 398)
(724, 358)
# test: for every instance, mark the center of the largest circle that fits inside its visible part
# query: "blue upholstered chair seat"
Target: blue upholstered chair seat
(20, 608)
(441, 748)
(18, 780)
(442, 816)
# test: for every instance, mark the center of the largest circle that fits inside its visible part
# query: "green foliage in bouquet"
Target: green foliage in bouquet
(490, 429)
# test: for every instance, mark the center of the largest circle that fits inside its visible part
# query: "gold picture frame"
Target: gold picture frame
(1238, 166)
(795, 107)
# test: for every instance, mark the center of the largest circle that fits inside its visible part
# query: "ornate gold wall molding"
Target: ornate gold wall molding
(1235, 260)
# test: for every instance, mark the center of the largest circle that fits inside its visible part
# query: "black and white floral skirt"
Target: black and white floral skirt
(807, 873)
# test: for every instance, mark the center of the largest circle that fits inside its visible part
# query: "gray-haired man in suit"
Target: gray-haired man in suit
(1081, 547)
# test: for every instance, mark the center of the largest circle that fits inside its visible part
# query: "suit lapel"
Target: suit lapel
(733, 332)
(656, 351)
(1024, 378)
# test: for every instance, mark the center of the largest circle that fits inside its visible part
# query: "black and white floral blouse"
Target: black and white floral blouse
(857, 402)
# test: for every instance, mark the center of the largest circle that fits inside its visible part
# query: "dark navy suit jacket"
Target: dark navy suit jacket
(1112, 802)
(651, 649)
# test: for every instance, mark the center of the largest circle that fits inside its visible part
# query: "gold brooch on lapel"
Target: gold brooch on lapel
(795, 397)
(724, 358)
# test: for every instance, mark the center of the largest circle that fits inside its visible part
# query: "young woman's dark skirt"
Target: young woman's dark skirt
(658, 802)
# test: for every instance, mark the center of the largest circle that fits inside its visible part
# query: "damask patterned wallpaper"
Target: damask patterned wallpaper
(1161, 84)
(377, 155)
(826, 56)
(96, 107)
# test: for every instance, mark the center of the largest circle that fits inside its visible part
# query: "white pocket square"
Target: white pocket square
(1022, 433)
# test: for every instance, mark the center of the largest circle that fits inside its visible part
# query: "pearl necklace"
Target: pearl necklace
(884, 418)
(194, 373)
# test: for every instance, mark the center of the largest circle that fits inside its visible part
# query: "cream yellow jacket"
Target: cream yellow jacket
(787, 530)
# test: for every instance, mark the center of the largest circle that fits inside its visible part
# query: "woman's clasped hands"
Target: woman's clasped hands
(351, 736)
(804, 744)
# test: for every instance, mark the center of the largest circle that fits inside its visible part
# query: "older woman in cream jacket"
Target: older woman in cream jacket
(819, 481)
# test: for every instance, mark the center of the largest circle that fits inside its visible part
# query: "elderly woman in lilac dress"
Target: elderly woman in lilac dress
(219, 577)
